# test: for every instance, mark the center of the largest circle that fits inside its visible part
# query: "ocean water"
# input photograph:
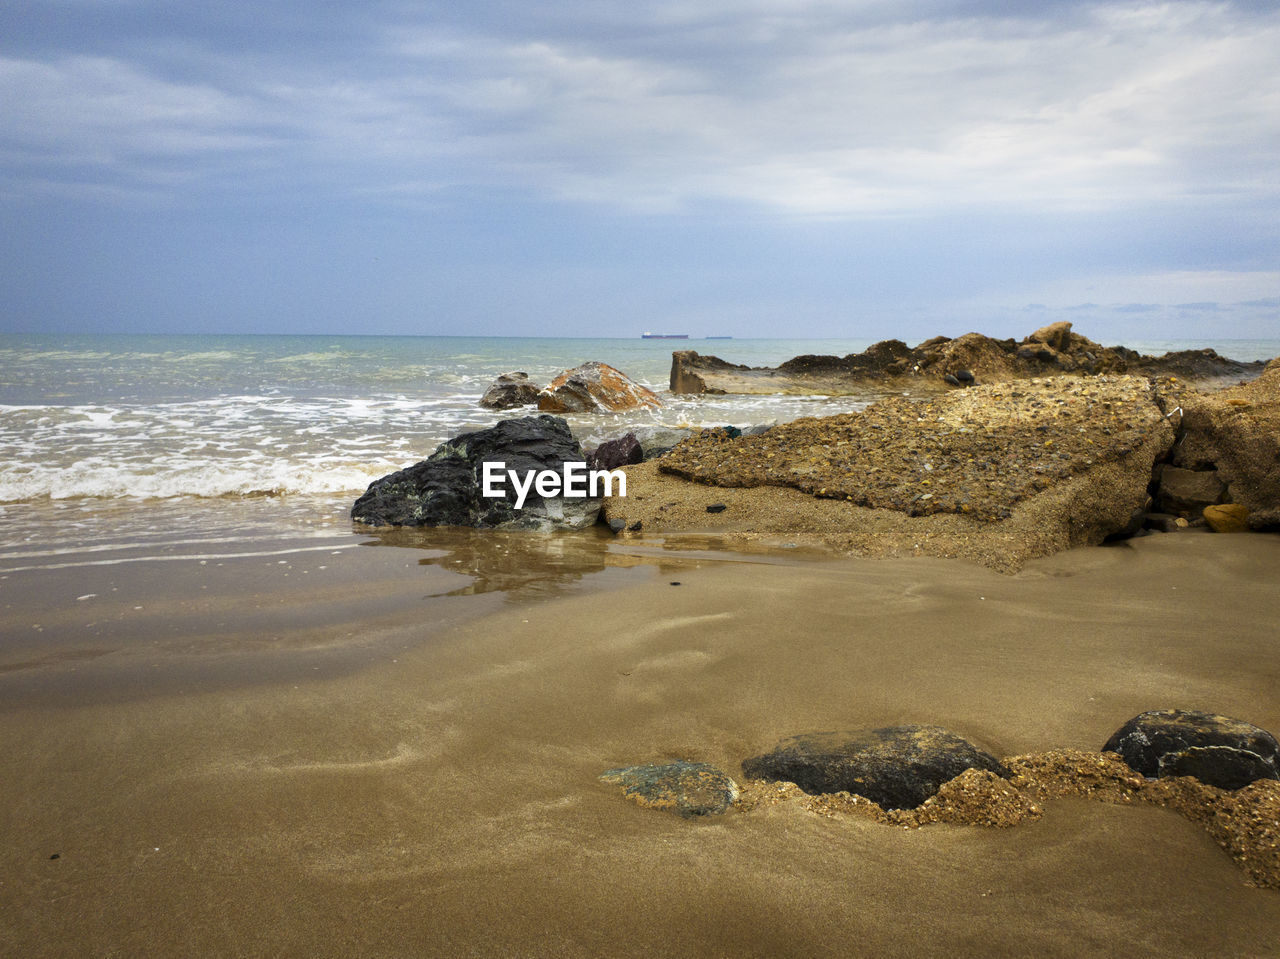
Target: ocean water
(131, 446)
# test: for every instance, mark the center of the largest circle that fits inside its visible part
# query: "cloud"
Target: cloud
(805, 108)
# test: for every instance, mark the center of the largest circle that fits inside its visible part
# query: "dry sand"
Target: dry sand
(374, 767)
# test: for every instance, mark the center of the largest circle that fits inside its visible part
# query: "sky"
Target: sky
(861, 169)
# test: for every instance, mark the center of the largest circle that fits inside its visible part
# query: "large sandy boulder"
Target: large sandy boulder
(595, 388)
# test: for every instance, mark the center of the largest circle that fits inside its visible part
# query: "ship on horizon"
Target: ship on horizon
(646, 335)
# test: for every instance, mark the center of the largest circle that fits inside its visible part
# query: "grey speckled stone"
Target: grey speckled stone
(690, 789)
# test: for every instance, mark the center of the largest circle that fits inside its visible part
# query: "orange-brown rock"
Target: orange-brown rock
(595, 388)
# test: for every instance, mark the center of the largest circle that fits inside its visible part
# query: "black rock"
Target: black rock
(446, 488)
(898, 767)
(717, 508)
(690, 789)
(1218, 750)
(951, 380)
(966, 377)
(636, 526)
(611, 454)
(510, 390)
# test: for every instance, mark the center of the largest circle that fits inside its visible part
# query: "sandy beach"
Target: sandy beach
(373, 751)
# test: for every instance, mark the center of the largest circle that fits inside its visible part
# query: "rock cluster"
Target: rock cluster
(943, 361)
(1216, 771)
(446, 489)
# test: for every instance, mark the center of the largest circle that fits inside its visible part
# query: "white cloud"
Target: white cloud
(807, 108)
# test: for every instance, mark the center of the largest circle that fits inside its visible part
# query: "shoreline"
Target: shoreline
(437, 794)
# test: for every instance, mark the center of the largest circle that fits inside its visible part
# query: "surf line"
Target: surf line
(574, 481)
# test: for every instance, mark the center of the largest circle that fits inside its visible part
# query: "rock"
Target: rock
(446, 488)
(1242, 442)
(1187, 492)
(690, 789)
(1223, 752)
(1227, 518)
(1056, 336)
(595, 388)
(510, 390)
(898, 767)
(1161, 522)
(717, 508)
(1051, 350)
(966, 377)
(616, 453)
(951, 380)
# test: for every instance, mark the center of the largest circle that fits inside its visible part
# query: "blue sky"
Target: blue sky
(866, 168)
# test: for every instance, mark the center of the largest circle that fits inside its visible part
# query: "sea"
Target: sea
(120, 448)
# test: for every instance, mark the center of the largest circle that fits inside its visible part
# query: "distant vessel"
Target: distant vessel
(663, 336)
(718, 337)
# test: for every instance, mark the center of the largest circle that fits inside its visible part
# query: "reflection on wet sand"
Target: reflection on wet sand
(519, 563)
(525, 565)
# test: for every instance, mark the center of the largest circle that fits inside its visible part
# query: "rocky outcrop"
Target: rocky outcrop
(1235, 433)
(897, 767)
(446, 489)
(978, 452)
(1223, 752)
(595, 388)
(509, 391)
(689, 789)
(616, 453)
(944, 361)
(997, 474)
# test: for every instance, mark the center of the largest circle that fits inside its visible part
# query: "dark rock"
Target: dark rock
(966, 377)
(898, 767)
(1223, 752)
(509, 391)
(446, 488)
(717, 508)
(951, 380)
(617, 525)
(690, 789)
(615, 453)
(636, 526)
(595, 388)
(1161, 522)
(1187, 492)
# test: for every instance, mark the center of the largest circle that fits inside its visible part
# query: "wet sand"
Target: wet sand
(402, 760)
